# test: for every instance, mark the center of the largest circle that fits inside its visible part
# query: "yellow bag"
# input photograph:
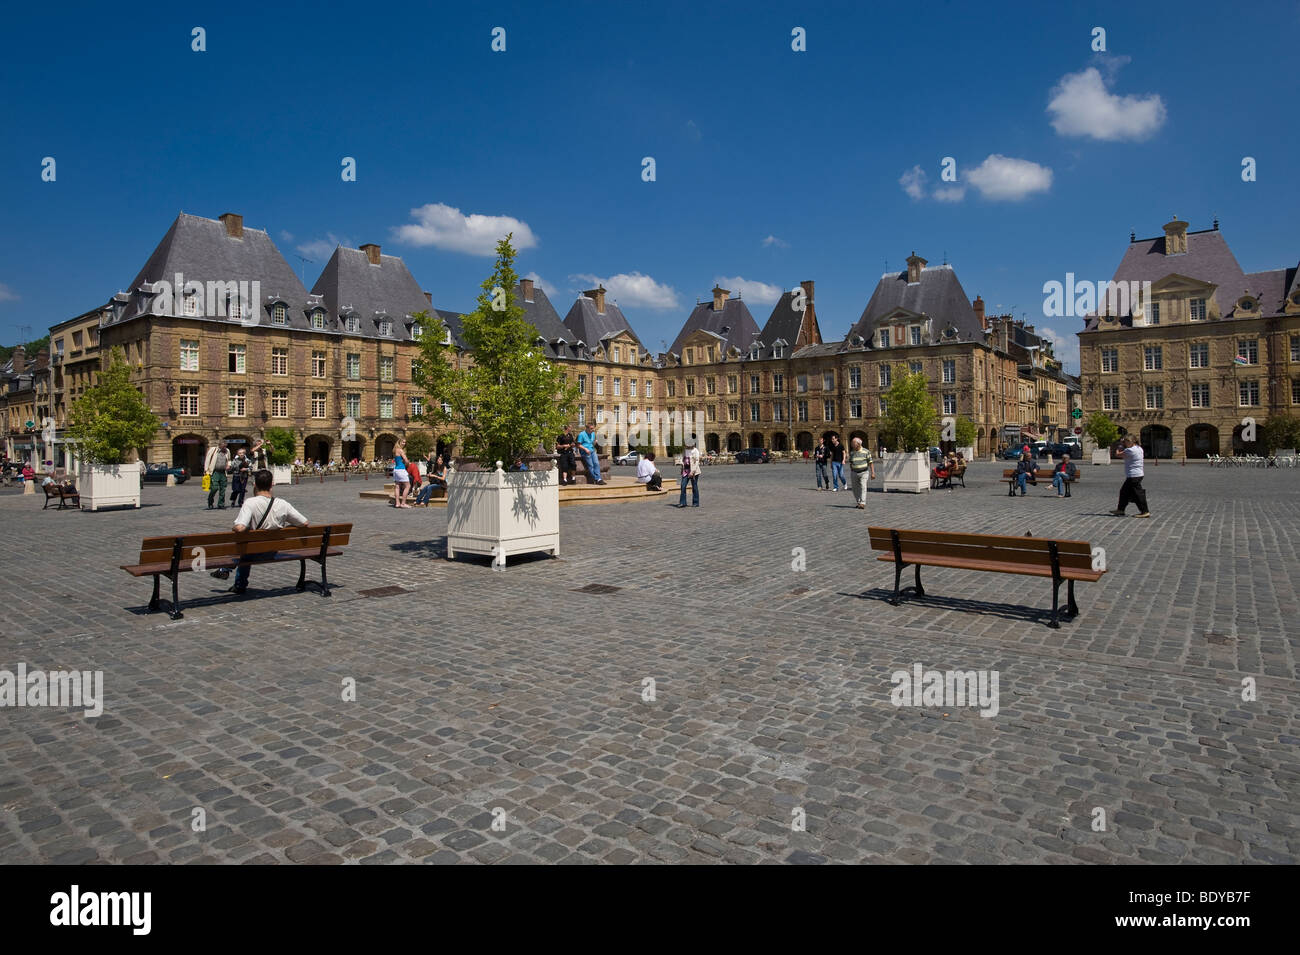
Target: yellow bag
(207, 482)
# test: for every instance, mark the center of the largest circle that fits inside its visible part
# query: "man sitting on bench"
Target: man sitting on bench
(262, 513)
(1065, 473)
(1024, 473)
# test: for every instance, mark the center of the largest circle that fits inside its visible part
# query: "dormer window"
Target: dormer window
(1247, 304)
(884, 338)
(1198, 309)
(352, 323)
(386, 329)
(416, 331)
(318, 319)
(279, 314)
(446, 336)
(778, 351)
(235, 309)
(753, 353)
(191, 306)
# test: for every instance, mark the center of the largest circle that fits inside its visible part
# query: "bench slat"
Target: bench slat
(1004, 567)
(220, 544)
(162, 567)
(881, 540)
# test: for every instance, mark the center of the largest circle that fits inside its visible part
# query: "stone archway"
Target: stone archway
(384, 445)
(353, 450)
(756, 440)
(779, 442)
(188, 451)
(803, 441)
(712, 443)
(733, 441)
(1157, 441)
(317, 449)
(1245, 447)
(1201, 440)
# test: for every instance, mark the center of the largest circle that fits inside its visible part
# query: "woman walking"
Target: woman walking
(690, 474)
(401, 477)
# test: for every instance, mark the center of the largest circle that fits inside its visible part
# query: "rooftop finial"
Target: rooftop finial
(1133, 236)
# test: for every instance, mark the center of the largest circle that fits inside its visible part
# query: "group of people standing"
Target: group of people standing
(406, 477)
(220, 467)
(833, 455)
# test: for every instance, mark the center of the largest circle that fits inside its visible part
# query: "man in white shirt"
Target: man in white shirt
(647, 473)
(1131, 491)
(262, 513)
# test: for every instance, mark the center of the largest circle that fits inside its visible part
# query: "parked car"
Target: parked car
(1065, 447)
(936, 455)
(1013, 453)
(157, 474)
(753, 455)
(632, 457)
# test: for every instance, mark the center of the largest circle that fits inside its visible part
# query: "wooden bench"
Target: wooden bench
(1061, 560)
(956, 474)
(173, 555)
(1040, 474)
(57, 492)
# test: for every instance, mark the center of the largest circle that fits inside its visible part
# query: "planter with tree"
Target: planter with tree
(505, 405)
(106, 425)
(1102, 431)
(909, 427)
(965, 435)
(281, 454)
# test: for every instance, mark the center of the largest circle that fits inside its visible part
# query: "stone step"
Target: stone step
(617, 489)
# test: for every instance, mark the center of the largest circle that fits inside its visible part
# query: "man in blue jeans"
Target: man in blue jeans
(262, 513)
(587, 442)
(690, 473)
(836, 454)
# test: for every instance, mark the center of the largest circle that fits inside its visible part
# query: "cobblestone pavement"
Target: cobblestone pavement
(516, 692)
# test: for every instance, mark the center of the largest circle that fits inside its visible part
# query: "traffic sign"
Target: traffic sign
(1076, 414)
(1078, 431)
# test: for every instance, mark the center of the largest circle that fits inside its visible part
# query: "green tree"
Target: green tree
(510, 400)
(965, 433)
(910, 422)
(418, 445)
(1102, 430)
(282, 445)
(1280, 431)
(111, 419)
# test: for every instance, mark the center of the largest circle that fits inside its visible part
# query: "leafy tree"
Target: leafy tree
(418, 445)
(282, 444)
(111, 419)
(510, 400)
(910, 422)
(1102, 430)
(965, 433)
(32, 348)
(1280, 431)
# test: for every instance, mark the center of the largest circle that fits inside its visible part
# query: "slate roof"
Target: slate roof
(938, 295)
(375, 293)
(543, 316)
(1270, 288)
(201, 250)
(784, 324)
(592, 327)
(734, 316)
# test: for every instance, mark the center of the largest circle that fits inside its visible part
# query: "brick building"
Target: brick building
(1210, 346)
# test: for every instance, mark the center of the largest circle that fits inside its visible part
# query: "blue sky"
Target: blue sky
(772, 166)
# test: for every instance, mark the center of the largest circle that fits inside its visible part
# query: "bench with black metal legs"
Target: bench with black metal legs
(1064, 561)
(57, 492)
(1010, 475)
(176, 554)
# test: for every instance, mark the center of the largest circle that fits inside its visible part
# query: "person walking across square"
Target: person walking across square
(215, 464)
(690, 473)
(836, 455)
(861, 465)
(1131, 491)
(819, 462)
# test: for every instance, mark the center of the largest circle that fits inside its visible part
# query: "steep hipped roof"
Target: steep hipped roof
(732, 324)
(785, 324)
(938, 294)
(543, 317)
(1270, 288)
(591, 326)
(203, 251)
(386, 291)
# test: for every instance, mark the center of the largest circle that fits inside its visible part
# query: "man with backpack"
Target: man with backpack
(263, 513)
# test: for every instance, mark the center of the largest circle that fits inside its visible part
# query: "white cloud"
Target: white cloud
(1082, 106)
(1003, 177)
(319, 250)
(758, 292)
(949, 194)
(633, 288)
(772, 240)
(443, 227)
(286, 235)
(1064, 347)
(913, 182)
(542, 284)
(7, 294)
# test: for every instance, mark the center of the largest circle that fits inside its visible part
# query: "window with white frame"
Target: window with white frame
(318, 364)
(828, 381)
(600, 384)
(237, 362)
(733, 384)
(189, 406)
(1153, 358)
(778, 383)
(1295, 347)
(386, 329)
(235, 398)
(916, 334)
(690, 387)
(949, 403)
(884, 338)
(1198, 355)
(950, 371)
(417, 406)
(618, 387)
(672, 388)
(915, 367)
(318, 405)
(354, 366)
(855, 376)
(385, 406)
(1198, 309)
(582, 384)
(1248, 393)
(886, 375)
(828, 409)
(352, 323)
(1155, 313)
(855, 407)
(754, 383)
(189, 354)
(1109, 359)
(1110, 398)
(352, 404)
(1200, 392)
(753, 411)
(387, 368)
(711, 385)
(778, 411)
(279, 404)
(279, 314)
(801, 410)
(1295, 391)
(631, 387)
(1248, 348)
(733, 412)
(1155, 397)
(649, 388)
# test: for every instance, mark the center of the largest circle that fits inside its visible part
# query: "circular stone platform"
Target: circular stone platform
(615, 488)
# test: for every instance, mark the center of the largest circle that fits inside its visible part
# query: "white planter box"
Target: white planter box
(500, 514)
(282, 474)
(109, 485)
(1101, 456)
(905, 472)
(968, 454)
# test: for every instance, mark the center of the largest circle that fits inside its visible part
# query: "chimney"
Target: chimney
(598, 294)
(526, 286)
(20, 360)
(428, 297)
(915, 265)
(234, 224)
(720, 296)
(1175, 236)
(978, 306)
(372, 252)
